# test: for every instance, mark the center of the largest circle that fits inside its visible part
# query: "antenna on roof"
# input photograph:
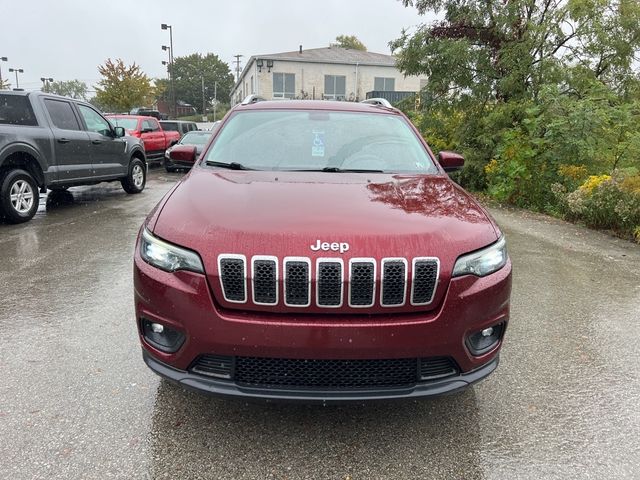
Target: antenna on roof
(300, 49)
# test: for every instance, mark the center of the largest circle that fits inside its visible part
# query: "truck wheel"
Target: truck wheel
(19, 196)
(136, 179)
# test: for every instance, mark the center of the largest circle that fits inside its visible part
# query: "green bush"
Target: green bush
(603, 202)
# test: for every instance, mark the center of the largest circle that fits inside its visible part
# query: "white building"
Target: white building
(330, 73)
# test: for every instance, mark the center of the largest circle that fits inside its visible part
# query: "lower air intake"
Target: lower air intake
(258, 372)
(330, 374)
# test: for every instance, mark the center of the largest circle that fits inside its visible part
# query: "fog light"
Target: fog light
(487, 332)
(158, 328)
(161, 336)
(484, 340)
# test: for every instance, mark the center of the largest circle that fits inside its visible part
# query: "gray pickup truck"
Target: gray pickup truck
(53, 142)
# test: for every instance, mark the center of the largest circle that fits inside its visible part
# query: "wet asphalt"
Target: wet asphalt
(77, 402)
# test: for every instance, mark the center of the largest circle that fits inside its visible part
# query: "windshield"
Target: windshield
(316, 140)
(194, 138)
(127, 123)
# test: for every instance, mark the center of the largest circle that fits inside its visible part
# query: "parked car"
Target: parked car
(155, 139)
(197, 138)
(179, 126)
(148, 112)
(48, 141)
(318, 251)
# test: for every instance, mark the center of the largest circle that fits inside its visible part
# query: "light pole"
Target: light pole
(17, 70)
(165, 26)
(2, 59)
(171, 88)
(45, 83)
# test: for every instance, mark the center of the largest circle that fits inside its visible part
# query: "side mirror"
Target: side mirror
(183, 154)
(146, 130)
(450, 161)
(119, 132)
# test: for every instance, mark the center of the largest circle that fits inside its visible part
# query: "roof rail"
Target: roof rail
(381, 102)
(249, 99)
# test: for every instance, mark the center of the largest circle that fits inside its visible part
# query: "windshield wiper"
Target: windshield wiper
(349, 170)
(231, 165)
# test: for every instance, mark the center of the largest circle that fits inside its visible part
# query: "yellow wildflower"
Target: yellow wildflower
(593, 182)
(574, 172)
(491, 167)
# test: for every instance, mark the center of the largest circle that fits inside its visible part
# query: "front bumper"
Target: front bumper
(229, 388)
(184, 302)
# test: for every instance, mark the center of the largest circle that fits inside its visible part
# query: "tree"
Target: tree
(123, 87)
(350, 41)
(71, 88)
(189, 73)
(4, 84)
(510, 49)
(528, 89)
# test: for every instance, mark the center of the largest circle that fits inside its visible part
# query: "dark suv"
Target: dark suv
(179, 126)
(48, 141)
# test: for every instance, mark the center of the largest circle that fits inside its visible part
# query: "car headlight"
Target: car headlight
(483, 262)
(168, 257)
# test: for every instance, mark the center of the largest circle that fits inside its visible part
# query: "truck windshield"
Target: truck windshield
(320, 140)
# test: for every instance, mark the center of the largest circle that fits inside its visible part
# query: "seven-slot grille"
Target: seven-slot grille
(358, 282)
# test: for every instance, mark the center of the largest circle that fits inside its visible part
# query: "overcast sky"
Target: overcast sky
(67, 39)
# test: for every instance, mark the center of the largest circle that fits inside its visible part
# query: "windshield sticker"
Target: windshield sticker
(317, 148)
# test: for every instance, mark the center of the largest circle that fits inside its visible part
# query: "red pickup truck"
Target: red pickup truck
(155, 139)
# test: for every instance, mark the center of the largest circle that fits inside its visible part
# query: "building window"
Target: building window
(335, 87)
(284, 85)
(382, 84)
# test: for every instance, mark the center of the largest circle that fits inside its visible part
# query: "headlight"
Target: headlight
(168, 257)
(482, 262)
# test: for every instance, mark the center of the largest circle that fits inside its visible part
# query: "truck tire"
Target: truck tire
(19, 196)
(136, 179)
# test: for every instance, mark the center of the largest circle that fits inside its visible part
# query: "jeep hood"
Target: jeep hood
(282, 214)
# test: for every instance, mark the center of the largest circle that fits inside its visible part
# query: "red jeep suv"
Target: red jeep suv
(318, 251)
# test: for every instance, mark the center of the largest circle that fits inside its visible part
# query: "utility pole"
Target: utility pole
(204, 108)
(238, 57)
(215, 99)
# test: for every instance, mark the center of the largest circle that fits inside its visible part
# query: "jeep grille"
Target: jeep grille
(356, 285)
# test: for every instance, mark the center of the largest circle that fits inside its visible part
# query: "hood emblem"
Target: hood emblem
(341, 247)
